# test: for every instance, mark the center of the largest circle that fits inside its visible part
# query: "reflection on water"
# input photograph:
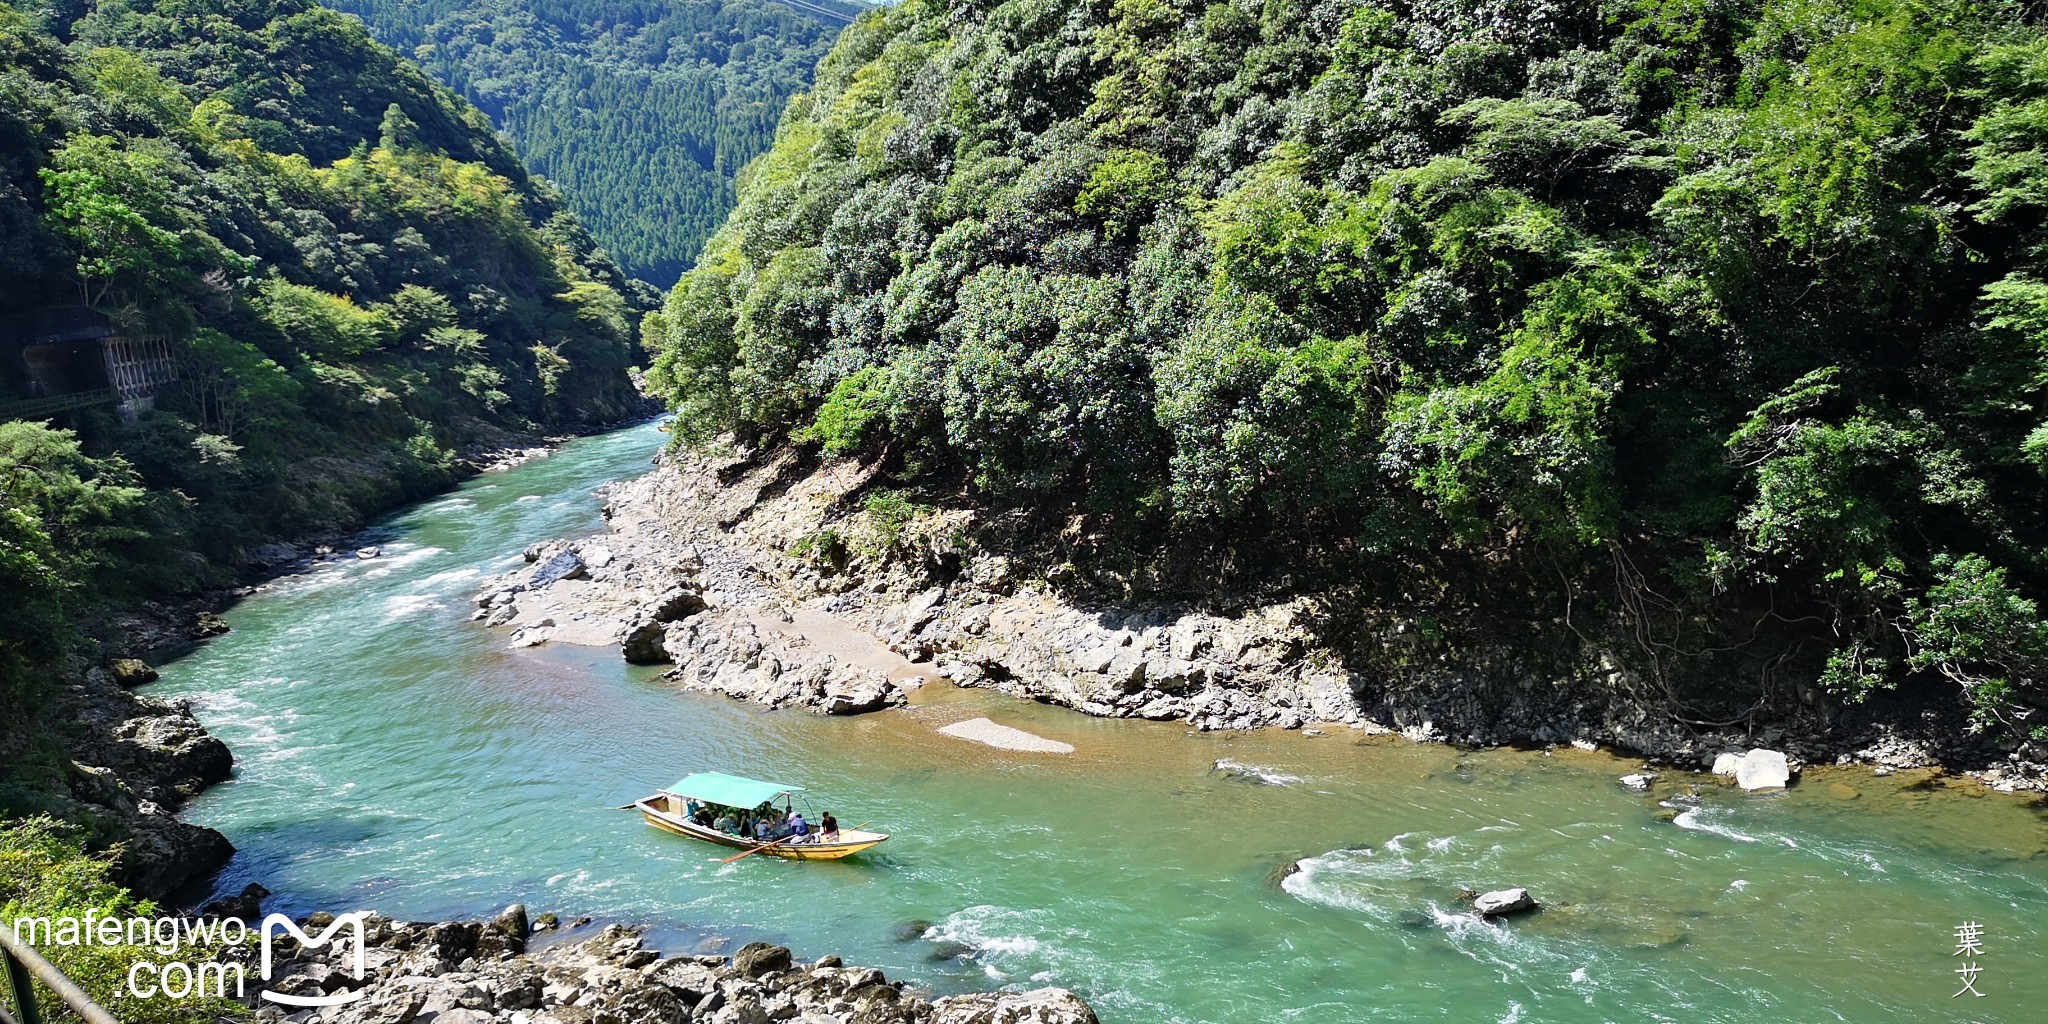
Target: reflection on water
(393, 755)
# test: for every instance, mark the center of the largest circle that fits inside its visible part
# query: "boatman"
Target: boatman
(828, 828)
(797, 827)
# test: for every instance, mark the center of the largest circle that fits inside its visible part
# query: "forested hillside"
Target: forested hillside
(353, 278)
(1703, 341)
(641, 110)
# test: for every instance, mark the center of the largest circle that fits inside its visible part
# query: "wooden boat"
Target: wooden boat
(668, 810)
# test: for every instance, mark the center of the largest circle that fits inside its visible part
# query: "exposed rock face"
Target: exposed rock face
(778, 543)
(1503, 901)
(1640, 781)
(1038, 1006)
(475, 973)
(135, 761)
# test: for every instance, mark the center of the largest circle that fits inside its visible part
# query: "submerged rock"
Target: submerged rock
(1640, 781)
(1501, 902)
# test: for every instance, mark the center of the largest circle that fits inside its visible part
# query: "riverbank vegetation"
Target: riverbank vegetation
(641, 112)
(354, 278)
(47, 873)
(1712, 336)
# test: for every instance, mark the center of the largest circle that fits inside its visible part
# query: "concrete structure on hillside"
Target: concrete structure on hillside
(69, 357)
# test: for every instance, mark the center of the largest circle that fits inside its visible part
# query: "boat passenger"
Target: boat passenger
(725, 823)
(799, 830)
(762, 831)
(828, 828)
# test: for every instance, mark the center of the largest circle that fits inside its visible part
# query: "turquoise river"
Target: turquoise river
(393, 755)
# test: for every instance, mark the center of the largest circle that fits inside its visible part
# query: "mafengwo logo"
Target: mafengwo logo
(274, 922)
(177, 978)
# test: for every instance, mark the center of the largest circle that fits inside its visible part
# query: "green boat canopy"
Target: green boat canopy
(730, 790)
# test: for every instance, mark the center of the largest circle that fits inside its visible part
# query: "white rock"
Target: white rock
(1727, 763)
(1640, 781)
(1587, 745)
(1503, 901)
(1763, 769)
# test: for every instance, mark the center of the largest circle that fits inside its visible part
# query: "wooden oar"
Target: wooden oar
(782, 840)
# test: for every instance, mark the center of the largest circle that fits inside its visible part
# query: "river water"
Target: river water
(393, 755)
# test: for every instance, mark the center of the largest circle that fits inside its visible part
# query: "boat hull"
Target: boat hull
(851, 841)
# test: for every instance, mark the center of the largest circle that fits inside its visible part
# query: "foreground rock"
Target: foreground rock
(476, 972)
(133, 762)
(1758, 769)
(1502, 902)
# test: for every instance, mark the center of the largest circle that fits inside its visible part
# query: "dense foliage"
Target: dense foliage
(1717, 327)
(355, 277)
(641, 110)
(46, 872)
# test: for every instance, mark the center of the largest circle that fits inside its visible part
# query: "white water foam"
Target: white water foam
(1267, 775)
(1694, 818)
(408, 605)
(999, 937)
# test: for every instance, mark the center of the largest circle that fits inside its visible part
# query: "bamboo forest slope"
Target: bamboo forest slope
(641, 110)
(355, 280)
(1699, 347)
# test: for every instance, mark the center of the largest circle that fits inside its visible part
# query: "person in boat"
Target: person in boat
(726, 822)
(799, 829)
(828, 828)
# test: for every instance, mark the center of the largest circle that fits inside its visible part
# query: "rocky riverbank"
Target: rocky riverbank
(475, 972)
(792, 583)
(123, 764)
(127, 765)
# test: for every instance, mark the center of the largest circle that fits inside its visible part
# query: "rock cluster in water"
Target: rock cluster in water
(481, 972)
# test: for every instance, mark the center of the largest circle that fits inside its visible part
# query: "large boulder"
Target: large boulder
(1503, 901)
(856, 691)
(758, 959)
(675, 603)
(1763, 769)
(643, 642)
(564, 566)
(130, 673)
(1038, 1006)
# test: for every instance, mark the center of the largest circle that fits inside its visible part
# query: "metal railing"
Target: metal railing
(36, 408)
(24, 967)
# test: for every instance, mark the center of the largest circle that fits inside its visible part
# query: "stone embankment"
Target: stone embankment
(816, 595)
(481, 972)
